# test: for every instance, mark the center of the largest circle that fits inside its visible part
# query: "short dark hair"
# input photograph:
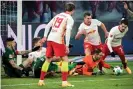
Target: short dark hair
(124, 21)
(35, 40)
(97, 51)
(87, 14)
(69, 6)
(9, 39)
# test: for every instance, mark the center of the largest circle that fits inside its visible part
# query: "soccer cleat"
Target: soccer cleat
(41, 83)
(67, 84)
(128, 70)
(71, 72)
(101, 72)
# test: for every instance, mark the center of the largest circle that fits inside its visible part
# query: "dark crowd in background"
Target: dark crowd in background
(43, 11)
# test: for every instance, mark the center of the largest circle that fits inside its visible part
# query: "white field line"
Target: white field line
(60, 82)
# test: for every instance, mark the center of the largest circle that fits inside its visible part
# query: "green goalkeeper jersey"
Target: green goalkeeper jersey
(38, 58)
(8, 55)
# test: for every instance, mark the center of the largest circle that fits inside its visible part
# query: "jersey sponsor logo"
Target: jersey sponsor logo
(91, 32)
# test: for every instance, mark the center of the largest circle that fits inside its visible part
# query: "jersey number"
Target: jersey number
(58, 22)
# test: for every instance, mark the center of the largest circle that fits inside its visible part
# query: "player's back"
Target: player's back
(59, 28)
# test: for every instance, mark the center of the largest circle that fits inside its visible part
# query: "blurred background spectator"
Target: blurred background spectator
(43, 11)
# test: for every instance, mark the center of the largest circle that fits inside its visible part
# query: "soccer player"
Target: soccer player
(90, 62)
(61, 26)
(113, 43)
(89, 28)
(9, 58)
(35, 59)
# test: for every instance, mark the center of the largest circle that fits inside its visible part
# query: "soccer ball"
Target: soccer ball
(117, 70)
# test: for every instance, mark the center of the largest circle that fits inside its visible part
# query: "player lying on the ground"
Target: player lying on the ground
(89, 63)
(113, 43)
(9, 58)
(36, 59)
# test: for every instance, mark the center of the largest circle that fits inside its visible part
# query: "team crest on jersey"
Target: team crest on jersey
(10, 56)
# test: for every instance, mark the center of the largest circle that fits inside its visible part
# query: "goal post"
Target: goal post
(19, 30)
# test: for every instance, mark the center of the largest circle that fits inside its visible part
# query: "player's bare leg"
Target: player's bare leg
(64, 70)
(44, 71)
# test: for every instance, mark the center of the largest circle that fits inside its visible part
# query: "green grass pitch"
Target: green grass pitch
(107, 81)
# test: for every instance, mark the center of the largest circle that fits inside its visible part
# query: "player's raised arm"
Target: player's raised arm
(69, 26)
(130, 13)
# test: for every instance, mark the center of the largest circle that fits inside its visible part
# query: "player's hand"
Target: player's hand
(43, 39)
(112, 54)
(67, 50)
(125, 5)
(36, 48)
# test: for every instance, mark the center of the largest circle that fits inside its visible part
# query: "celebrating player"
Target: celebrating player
(61, 26)
(113, 44)
(89, 28)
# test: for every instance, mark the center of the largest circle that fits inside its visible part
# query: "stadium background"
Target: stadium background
(36, 14)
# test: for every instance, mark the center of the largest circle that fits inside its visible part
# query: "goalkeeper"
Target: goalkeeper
(89, 63)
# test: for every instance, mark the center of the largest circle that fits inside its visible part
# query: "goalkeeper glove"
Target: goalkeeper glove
(112, 54)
